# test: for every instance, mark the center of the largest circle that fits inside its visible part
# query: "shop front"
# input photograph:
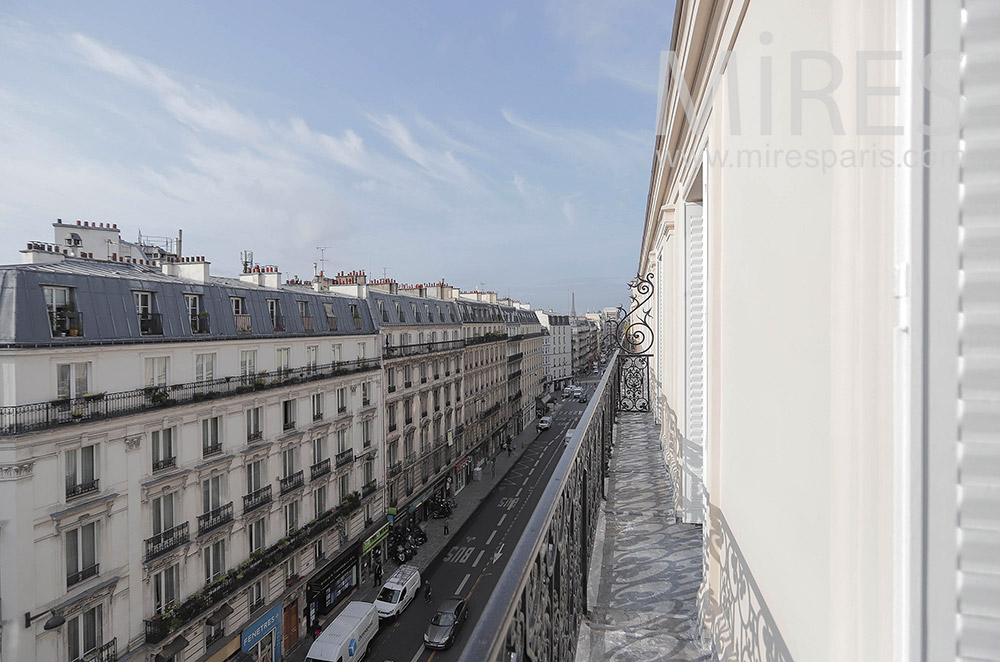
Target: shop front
(462, 474)
(262, 639)
(373, 550)
(331, 584)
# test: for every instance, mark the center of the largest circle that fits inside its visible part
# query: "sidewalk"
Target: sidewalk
(466, 503)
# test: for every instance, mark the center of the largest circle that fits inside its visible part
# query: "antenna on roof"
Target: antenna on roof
(322, 258)
(385, 271)
(247, 258)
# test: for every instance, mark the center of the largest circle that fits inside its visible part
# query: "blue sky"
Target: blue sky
(502, 144)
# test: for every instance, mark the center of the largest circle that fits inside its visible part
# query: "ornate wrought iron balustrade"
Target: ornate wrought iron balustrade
(536, 608)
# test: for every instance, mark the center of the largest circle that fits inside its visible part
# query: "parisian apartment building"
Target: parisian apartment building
(557, 348)
(186, 458)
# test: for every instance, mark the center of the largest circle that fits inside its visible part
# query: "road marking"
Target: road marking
(481, 552)
(531, 471)
(460, 586)
(416, 656)
(503, 518)
(535, 465)
(525, 481)
(490, 539)
(518, 493)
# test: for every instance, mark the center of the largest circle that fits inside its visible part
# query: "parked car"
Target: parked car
(446, 623)
(544, 423)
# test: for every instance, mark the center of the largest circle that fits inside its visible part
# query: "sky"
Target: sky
(505, 146)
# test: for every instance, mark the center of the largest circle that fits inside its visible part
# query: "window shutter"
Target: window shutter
(978, 359)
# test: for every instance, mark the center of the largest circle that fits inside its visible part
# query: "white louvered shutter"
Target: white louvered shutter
(978, 488)
(695, 273)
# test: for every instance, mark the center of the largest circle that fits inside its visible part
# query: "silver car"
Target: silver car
(446, 623)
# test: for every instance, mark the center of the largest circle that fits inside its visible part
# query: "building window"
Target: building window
(81, 470)
(312, 356)
(288, 463)
(156, 370)
(211, 494)
(382, 312)
(274, 312)
(319, 500)
(237, 303)
(164, 509)
(81, 553)
(256, 535)
(164, 455)
(365, 394)
(407, 375)
(210, 441)
(288, 414)
(336, 348)
(248, 362)
(341, 400)
(204, 367)
(317, 406)
(399, 312)
(255, 476)
(255, 594)
(345, 486)
(390, 379)
(361, 351)
(281, 360)
(215, 561)
(72, 380)
(166, 587)
(84, 634)
(291, 568)
(253, 424)
(318, 450)
(291, 517)
(391, 408)
(366, 433)
(342, 442)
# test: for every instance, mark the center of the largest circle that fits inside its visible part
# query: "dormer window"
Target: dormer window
(274, 312)
(331, 317)
(416, 313)
(399, 312)
(382, 311)
(149, 322)
(64, 320)
(243, 321)
(356, 316)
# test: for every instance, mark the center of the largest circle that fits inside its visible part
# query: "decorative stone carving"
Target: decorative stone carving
(133, 442)
(17, 471)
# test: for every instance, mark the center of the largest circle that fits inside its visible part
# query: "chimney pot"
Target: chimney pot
(78, 221)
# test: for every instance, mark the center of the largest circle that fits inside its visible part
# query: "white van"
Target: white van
(398, 592)
(348, 636)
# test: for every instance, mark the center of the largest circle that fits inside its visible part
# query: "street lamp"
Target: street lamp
(55, 620)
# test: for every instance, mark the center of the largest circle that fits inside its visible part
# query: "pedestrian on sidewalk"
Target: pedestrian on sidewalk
(508, 449)
(493, 467)
(446, 526)
(427, 590)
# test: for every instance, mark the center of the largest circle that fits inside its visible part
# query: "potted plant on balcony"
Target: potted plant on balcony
(352, 501)
(94, 396)
(77, 414)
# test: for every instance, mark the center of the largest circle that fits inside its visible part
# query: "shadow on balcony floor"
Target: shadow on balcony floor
(646, 568)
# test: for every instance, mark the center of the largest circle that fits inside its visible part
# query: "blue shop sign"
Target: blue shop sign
(266, 623)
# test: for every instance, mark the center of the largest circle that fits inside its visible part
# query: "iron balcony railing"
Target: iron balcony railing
(369, 488)
(151, 324)
(395, 468)
(319, 469)
(211, 449)
(200, 323)
(256, 499)
(492, 336)
(215, 518)
(395, 351)
(104, 653)
(76, 577)
(66, 323)
(164, 463)
(166, 541)
(19, 419)
(74, 490)
(508, 627)
(345, 457)
(292, 482)
(515, 357)
(244, 323)
(157, 630)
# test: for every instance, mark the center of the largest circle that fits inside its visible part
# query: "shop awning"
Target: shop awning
(219, 615)
(546, 399)
(173, 648)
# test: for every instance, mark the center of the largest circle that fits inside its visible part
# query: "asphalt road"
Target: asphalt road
(472, 564)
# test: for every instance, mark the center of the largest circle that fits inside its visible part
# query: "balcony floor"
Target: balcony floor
(646, 567)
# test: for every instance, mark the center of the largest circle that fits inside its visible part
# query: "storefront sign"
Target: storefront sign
(375, 539)
(271, 621)
(329, 585)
